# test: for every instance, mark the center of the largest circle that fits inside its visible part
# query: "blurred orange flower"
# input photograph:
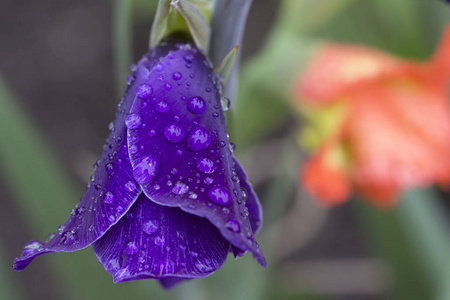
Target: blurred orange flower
(376, 124)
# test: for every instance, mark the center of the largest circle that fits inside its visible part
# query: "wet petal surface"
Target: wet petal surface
(155, 241)
(196, 169)
(250, 198)
(112, 189)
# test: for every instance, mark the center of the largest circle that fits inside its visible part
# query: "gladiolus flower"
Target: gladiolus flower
(168, 200)
(377, 124)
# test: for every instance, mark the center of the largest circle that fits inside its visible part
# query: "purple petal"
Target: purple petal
(254, 209)
(155, 241)
(188, 139)
(112, 189)
(252, 203)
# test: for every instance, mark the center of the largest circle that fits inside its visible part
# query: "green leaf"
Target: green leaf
(159, 25)
(226, 65)
(196, 21)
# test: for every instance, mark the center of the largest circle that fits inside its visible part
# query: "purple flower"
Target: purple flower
(168, 200)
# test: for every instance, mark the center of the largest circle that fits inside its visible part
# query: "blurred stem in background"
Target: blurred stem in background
(413, 239)
(122, 34)
(42, 190)
(424, 219)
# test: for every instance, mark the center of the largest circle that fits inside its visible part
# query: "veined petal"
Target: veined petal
(409, 141)
(155, 241)
(337, 69)
(255, 213)
(112, 189)
(182, 155)
(252, 204)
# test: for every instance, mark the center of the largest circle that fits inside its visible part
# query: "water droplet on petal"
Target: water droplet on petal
(199, 138)
(132, 248)
(220, 196)
(168, 86)
(225, 103)
(180, 188)
(162, 107)
(206, 165)
(189, 58)
(133, 149)
(68, 237)
(109, 197)
(146, 169)
(159, 67)
(244, 194)
(152, 132)
(177, 76)
(174, 133)
(208, 180)
(150, 227)
(133, 121)
(130, 186)
(233, 225)
(215, 115)
(160, 241)
(130, 79)
(232, 147)
(109, 168)
(196, 105)
(32, 247)
(144, 91)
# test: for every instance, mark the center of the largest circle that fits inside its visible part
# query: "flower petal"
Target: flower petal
(254, 209)
(337, 69)
(325, 179)
(255, 213)
(409, 141)
(181, 155)
(112, 189)
(155, 241)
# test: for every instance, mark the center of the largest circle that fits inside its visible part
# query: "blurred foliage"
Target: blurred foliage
(412, 239)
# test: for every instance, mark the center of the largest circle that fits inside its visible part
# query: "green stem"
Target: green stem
(423, 218)
(122, 41)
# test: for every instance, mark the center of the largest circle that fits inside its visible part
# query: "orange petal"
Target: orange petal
(336, 69)
(400, 137)
(328, 184)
